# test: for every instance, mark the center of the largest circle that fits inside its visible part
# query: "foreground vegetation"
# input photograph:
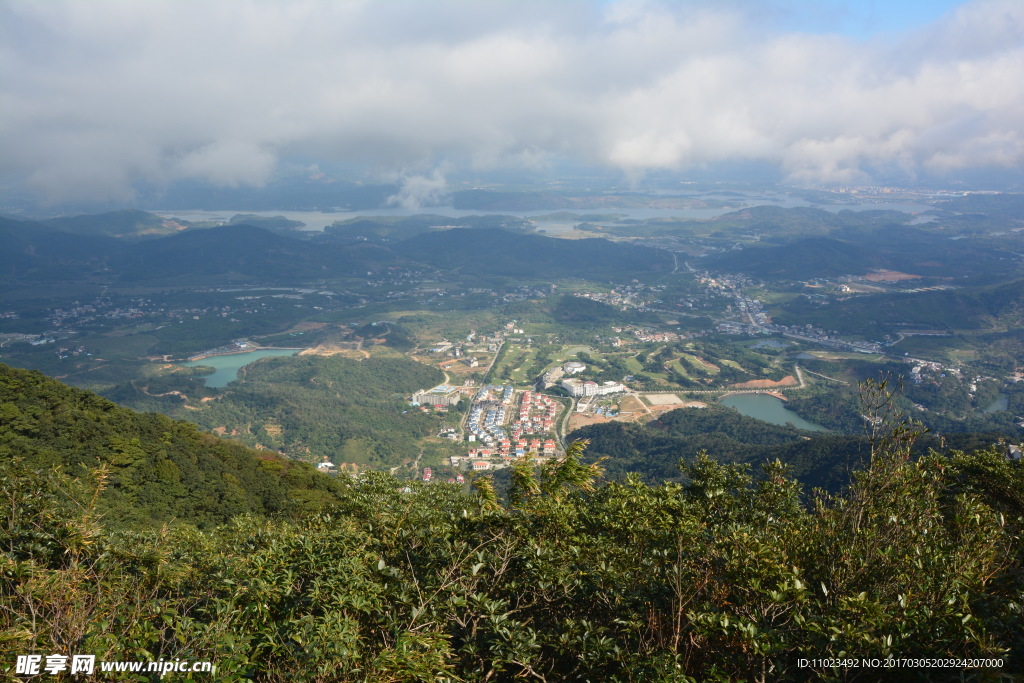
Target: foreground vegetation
(567, 579)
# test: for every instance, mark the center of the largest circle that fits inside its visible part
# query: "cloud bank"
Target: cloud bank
(98, 96)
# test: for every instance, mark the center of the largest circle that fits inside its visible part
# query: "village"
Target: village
(492, 438)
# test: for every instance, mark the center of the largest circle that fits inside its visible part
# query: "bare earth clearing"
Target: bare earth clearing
(349, 349)
(786, 381)
(663, 399)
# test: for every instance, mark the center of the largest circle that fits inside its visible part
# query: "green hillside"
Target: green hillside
(125, 223)
(237, 253)
(653, 450)
(160, 469)
(576, 310)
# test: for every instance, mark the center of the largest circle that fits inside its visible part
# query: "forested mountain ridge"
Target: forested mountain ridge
(124, 223)
(159, 469)
(246, 252)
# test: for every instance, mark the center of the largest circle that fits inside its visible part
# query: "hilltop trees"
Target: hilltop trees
(569, 580)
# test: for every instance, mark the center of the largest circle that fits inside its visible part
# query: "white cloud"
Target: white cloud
(418, 191)
(227, 163)
(99, 94)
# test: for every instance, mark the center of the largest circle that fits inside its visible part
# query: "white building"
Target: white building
(610, 388)
(438, 396)
(577, 388)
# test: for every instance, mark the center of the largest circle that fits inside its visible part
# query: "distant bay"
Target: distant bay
(316, 221)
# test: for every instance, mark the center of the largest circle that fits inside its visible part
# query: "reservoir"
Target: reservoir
(769, 409)
(229, 365)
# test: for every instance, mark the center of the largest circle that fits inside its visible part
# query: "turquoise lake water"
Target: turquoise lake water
(228, 366)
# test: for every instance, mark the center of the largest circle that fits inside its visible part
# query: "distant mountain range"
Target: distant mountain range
(65, 249)
(243, 252)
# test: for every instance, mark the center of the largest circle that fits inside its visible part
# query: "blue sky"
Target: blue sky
(857, 19)
(864, 18)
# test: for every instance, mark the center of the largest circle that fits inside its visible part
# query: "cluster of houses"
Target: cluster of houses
(614, 297)
(486, 421)
(922, 367)
(487, 458)
(536, 415)
(428, 475)
(66, 352)
(498, 443)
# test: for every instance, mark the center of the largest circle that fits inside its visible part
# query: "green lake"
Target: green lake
(769, 409)
(228, 366)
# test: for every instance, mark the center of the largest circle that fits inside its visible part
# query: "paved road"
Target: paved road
(562, 426)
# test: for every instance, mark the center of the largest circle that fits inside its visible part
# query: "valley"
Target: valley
(370, 315)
